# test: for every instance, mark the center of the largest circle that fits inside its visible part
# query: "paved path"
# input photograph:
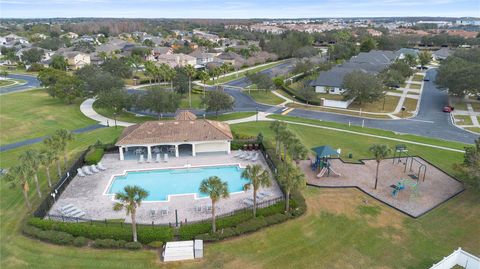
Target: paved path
(87, 109)
(40, 139)
(31, 83)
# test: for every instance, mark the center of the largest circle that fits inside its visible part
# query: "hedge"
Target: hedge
(190, 231)
(146, 234)
(94, 155)
(300, 97)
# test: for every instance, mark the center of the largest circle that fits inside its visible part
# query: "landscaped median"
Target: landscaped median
(241, 73)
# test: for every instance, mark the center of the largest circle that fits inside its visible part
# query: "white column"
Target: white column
(229, 147)
(149, 153)
(193, 150)
(120, 151)
(176, 151)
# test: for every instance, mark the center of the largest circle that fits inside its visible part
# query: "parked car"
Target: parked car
(426, 78)
(448, 109)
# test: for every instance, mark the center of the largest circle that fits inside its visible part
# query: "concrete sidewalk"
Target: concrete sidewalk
(87, 109)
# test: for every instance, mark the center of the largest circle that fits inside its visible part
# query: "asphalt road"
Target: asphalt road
(32, 82)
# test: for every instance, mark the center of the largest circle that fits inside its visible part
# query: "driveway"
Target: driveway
(32, 82)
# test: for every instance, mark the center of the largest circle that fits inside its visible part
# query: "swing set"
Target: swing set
(402, 152)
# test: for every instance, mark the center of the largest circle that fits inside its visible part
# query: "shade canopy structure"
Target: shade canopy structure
(324, 151)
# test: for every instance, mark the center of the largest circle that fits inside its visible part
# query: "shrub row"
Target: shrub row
(94, 155)
(300, 97)
(190, 231)
(146, 234)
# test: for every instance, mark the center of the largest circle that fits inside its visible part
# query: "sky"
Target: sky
(237, 8)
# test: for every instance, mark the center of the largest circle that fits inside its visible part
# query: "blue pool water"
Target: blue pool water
(163, 182)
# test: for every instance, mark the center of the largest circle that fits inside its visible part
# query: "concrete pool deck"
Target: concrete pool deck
(87, 193)
(437, 188)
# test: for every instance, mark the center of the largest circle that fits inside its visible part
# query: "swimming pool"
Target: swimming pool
(160, 183)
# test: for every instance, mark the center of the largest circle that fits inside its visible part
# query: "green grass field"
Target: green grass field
(338, 230)
(415, 86)
(33, 114)
(241, 74)
(264, 97)
(5, 83)
(231, 116)
(463, 120)
(417, 77)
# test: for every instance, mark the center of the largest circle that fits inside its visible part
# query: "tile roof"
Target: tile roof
(161, 132)
(185, 115)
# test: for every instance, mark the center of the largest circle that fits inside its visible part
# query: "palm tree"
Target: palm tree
(296, 149)
(19, 175)
(53, 145)
(150, 70)
(47, 157)
(168, 73)
(291, 179)
(63, 136)
(131, 198)
(278, 127)
(380, 152)
(204, 77)
(31, 160)
(285, 137)
(257, 177)
(216, 189)
(191, 72)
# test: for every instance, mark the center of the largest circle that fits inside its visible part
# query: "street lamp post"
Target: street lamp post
(115, 119)
(256, 113)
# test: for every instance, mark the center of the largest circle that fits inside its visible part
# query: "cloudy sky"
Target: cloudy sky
(236, 8)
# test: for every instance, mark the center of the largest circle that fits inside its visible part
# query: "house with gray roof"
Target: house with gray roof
(442, 54)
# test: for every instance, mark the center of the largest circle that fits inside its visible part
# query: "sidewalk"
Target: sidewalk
(87, 109)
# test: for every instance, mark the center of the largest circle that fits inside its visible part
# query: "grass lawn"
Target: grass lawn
(475, 106)
(264, 97)
(123, 116)
(463, 120)
(196, 101)
(377, 106)
(231, 116)
(411, 105)
(415, 86)
(338, 111)
(460, 106)
(417, 77)
(34, 113)
(473, 129)
(6, 82)
(18, 71)
(241, 74)
(338, 230)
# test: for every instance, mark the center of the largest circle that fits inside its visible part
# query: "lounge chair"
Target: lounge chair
(87, 170)
(80, 172)
(101, 167)
(164, 211)
(249, 157)
(239, 153)
(165, 157)
(265, 194)
(255, 158)
(66, 207)
(142, 159)
(94, 169)
(77, 213)
(158, 159)
(246, 156)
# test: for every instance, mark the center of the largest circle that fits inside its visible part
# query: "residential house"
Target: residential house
(202, 57)
(176, 60)
(76, 59)
(404, 51)
(70, 35)
(229, 57)
(441, 54)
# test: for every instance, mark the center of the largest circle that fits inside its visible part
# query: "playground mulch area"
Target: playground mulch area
(437, 187)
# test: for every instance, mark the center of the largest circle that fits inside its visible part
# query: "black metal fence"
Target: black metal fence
(58, 189)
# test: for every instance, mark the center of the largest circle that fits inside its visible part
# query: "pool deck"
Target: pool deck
(87, 193)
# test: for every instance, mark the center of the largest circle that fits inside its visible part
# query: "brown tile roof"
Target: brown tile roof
(160, 132)
(185, 115)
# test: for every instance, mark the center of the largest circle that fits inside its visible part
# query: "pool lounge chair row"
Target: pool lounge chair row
(90, 170)
(157, 158)
(260, 197)
(70, 210)
(247, 156)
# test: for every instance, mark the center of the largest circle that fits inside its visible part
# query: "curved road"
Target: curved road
(31, 82)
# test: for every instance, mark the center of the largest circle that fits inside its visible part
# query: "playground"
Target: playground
(407, 183)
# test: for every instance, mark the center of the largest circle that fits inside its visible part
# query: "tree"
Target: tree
(160, 101)
(4, 73)
(308, 93)
(130, 199)
(31, 161)
(392, 78)
(117, 67)
(402, 67)
(168, 73)
(262, 81)
(368, 44)
(148, 43)
(19, 175)
(53, 145)
(115, 100)
(217, 101)
(342, 51)
(424, 58)
(32, 56)
(286, 136)
(258, 177)
(379, 152)
(364, 87)
(204, 77)
(278, 127)
(84, 46)
(135, 60)
(62, 137)
(410, 59)
(296, 149)
(95, 80)
(47, 157)
(181, 81)
(67, 88)
(470, 169)
(150, 70)
(59, 62)
(216, 189)
(191, 72)
(291, 179)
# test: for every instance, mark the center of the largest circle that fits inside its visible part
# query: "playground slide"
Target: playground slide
(335, 173)
(322, 172)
